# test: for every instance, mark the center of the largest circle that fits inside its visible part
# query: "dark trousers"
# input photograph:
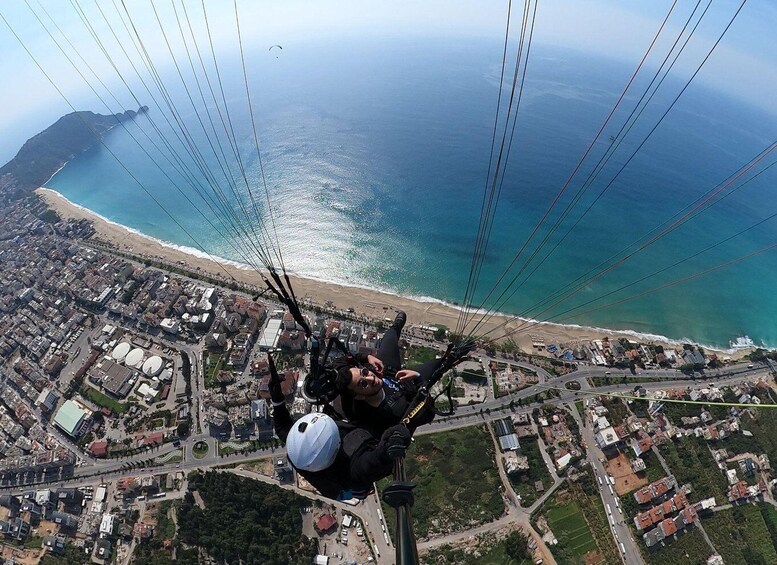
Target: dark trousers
(389, 353)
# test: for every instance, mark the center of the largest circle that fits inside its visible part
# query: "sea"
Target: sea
(375, 155)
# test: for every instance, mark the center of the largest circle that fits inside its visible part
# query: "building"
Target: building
(19, 529)
(509, 443)
(270, 335)
(645, 520)
(504, 430)
(170, 325)
(54, 544)
(106, 525)
(99, 448)
(563, 461)
(326, 524)
(133, 486)
(607, 438)
(47, 400)
(102, 551)
(100, 494)
(638, 465)
(65, 521)
(654, 491)
(260, 414)
(152, 438)
(70, 500)
(115, 378)
(72, 418)
(642, 446)
(147, 392)
(142, 531)
(515, 463)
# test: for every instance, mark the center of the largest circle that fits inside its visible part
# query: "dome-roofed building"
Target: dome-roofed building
(153, 365)
(119, 352)
(134, 358)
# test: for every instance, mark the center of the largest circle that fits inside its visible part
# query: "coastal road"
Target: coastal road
(465, 416)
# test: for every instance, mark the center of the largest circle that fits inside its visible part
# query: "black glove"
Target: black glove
(276, 394)
(394, 441)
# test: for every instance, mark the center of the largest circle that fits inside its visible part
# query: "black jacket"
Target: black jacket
(398, 399)
(388, 413)
(360, 461)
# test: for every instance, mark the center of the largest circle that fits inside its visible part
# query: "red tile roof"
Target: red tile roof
(668, 527)
(154, 438)
(689, 514)
(653, 490)
(643, 520)
(645, 444)
(99, 448)
(325, 523)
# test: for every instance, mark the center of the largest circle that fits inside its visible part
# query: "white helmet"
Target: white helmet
(313, 442)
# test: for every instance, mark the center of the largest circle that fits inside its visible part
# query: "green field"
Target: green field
(769, 514)
(762, 425)
(200, 449)
(580, 407)
(586, 494)
(101, 400)
(741, 535)
(619, 379)
(570, 528)
(691, 462)
(496, 556)
(212, 364)
(235, 447)
(457, 482)
(419, 355)
(493, 555)
(653, 469)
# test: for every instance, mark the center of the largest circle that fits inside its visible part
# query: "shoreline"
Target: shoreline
(371, 302)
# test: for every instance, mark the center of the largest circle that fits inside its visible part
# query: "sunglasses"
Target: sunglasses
(366, 371)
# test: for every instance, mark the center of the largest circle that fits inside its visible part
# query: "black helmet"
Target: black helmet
(320, 388)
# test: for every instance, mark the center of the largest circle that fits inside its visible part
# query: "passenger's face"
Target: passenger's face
(364, 382)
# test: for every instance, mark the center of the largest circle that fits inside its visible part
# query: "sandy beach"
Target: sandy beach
(364, 301)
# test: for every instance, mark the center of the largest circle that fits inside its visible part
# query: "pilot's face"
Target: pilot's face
(364, 382)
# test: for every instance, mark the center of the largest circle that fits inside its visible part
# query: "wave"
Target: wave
(640, 336)
(62, 166)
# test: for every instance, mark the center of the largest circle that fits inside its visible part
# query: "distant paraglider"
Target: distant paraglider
(273, 47)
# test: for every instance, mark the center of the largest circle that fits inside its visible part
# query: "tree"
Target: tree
(517, 546)
(183, 429)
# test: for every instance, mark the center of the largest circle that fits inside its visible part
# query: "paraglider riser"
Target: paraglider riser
(399, 493)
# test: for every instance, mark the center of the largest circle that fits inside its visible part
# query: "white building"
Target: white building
(170, 326)
(270, 335)
(607, 438)
(106, 525)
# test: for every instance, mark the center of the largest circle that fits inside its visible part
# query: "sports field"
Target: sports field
(567, 523)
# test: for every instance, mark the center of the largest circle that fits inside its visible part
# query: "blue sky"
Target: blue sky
(743, 65)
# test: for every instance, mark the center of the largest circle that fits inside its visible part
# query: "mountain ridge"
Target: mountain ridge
(46, 152)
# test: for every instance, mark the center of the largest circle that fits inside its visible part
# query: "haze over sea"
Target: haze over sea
(375, 154)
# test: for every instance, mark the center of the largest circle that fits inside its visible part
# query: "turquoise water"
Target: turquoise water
(376, 153)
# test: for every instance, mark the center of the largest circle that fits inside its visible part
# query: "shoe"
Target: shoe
(399, 321)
